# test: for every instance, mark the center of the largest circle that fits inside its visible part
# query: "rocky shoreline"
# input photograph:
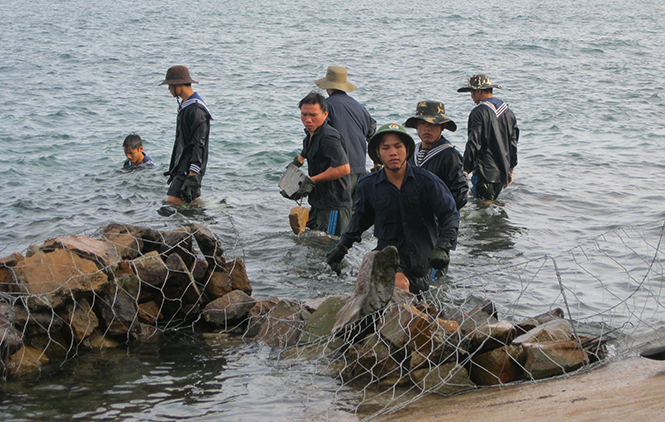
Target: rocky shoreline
(133, 283)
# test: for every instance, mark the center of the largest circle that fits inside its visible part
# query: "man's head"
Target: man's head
(179, 81)
(480, 87)
(335, 79)
(133, 147)
(388, 144)
(430, 120)
(313, 111)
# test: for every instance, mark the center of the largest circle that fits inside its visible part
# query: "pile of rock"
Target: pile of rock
(80, 292)
(133, 282)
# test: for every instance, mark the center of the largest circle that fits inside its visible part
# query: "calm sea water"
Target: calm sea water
(585, 80)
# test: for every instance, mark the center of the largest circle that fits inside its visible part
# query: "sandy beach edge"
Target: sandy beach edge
(626, 390)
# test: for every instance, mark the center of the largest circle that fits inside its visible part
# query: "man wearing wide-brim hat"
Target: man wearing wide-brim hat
(491, 148)
(435, 153)
(410, 209)
(350, 118)
(189, 157)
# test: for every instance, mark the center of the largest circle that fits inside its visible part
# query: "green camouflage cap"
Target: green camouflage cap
(390, 128)
(432, 112)
(477, 82)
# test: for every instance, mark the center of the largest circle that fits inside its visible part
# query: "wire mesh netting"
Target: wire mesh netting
(545, 317)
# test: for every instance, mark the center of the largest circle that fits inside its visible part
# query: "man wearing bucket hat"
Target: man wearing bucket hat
(189, 157)
(410, 208)
(350, 118)
(435, 153)
(491, 148)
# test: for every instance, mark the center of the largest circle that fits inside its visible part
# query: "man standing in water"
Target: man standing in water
(435, 153)
(410, 208)
(328, 185)
(351, 120)
(491, 148)
(190, 150)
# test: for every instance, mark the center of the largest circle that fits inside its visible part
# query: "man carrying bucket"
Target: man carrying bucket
(328, 186)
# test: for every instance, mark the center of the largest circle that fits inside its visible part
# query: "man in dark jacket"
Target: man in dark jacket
(350, 118)
(435, 153)
(491, 148)
(190, 150)
(410, 208)
(327, 186)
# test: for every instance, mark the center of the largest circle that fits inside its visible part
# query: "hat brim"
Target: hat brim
(324, 83)
(469, 89)
(374, 141)
(177, 82)
(412, 122)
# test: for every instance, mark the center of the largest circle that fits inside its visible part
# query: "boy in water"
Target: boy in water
(136, 158)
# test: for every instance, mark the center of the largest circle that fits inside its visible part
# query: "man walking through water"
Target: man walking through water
(327, 186)
(410, 208)
(491, 148)
(350, 118)
(189, 157)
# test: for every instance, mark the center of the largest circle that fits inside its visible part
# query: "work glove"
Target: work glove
(306, 188)
(439, 259)
(296, 162)
(190, 188)
(334, 258)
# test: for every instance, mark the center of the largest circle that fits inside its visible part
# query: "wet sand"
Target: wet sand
(629, 390)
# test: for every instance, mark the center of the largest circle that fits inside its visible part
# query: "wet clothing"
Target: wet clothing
(415, 218)
(491, 148)
(176, 184)
(190, 150)
(332, 222)
(323, 150)
(485, 190)
(356, 126)
(145, 163)
(446, 162)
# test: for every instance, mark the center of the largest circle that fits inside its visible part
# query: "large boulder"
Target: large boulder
(81, 319)
(282, 326)
(209, 244)
(230, 310)
(51, 278)
(7, 277)
(25, 361)
(498, 366)
(128, 244)
(322, 320)
(554, 330)
(150, 269)
(544, 360)
(374, 290)
(102, 252)
(448, 378)
(119, 313)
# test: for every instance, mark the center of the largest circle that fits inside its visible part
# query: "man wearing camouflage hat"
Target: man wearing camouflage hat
(435, 153)
(491, 148)
(410, 208)
(189, 157)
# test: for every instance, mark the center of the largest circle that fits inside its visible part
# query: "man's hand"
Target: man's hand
(190, 187)
(296, 162)
(334, 258)
(439, 259)
(306, 188)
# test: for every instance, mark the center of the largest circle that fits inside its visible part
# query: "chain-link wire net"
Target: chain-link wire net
(542, 318)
